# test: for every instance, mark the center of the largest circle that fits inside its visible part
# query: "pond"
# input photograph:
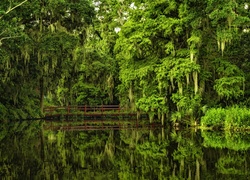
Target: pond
(28, 151)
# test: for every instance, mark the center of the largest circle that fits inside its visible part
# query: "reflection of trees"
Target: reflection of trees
(76, 155)
(226, 139)
(19, 150)
(34, 153)
(188, 154)
(232, 165)
(147, 154)
(233, 158)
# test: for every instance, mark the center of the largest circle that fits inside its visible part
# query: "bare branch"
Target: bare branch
(11, 9)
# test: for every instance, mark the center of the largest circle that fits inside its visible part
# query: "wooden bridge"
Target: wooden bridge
(102, 117)
(89, 112)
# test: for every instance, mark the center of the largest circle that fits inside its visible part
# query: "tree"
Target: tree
(169, 49)
(44, 53)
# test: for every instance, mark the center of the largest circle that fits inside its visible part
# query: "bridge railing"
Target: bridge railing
(83, 108)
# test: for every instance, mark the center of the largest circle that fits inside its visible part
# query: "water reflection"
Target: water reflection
(30, 152)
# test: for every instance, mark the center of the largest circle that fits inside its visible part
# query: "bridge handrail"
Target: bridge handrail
(83, 108)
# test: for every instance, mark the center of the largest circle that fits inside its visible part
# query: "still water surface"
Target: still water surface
(28, 151)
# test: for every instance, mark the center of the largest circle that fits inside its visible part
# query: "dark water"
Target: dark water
(28, 151)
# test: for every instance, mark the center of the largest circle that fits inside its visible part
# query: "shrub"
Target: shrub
(230, 118)
(237, 118)
(214, 117)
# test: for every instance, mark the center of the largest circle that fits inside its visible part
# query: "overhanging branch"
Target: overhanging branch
(7, 38)
(11, 9)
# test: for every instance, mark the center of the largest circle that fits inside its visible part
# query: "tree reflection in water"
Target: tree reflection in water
(29, 152)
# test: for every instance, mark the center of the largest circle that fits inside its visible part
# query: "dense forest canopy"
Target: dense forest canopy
(166, 57)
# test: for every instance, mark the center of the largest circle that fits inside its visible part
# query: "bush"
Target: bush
(230, 118)
(237, 118)
(214, 117)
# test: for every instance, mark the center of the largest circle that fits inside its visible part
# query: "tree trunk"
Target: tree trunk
(41, 93)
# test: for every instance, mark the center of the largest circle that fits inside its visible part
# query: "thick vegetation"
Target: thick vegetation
(227, 118)
(167, 58)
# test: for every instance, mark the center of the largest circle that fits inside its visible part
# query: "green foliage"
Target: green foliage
(89, 94)
(237, 117)
(152, 104)
(38, 41)
(188, 108)
(230, 83)
(230, 118)
(168, 56)
(3, 110)
(214, 117)
(230, 87)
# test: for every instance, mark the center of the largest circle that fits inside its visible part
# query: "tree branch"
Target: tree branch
(7, 38)
(11, 9)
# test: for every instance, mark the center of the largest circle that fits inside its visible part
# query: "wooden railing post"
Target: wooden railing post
(119, 109)
(68, 109)
(104, 110)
